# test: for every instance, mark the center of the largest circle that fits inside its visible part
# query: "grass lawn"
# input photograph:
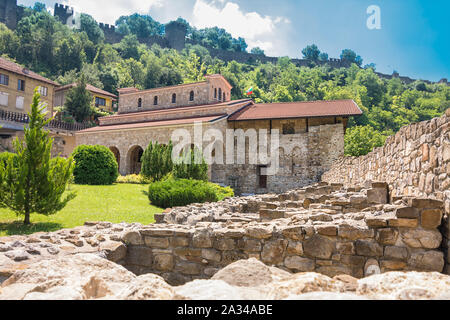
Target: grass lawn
(115, 203)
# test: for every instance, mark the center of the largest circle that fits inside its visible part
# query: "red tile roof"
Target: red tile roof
(10, 66)
(90, 88)
(152, 124)
(304, 109)
(178, 110)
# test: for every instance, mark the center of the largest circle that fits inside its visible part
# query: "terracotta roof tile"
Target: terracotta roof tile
(304, 109)
(18, 69)
(88, 87)
(152, 124)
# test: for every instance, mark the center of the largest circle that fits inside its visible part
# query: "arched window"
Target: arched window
(174, 98)
(215, 93)
(155, 100)
(220, 94)
(140, 103)
(224, 97)
(191, 96)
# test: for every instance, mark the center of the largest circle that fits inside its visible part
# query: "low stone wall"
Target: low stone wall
(414, 162)
(312, 229)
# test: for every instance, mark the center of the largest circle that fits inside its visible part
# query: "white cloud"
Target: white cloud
(110, 11)
(253, 27)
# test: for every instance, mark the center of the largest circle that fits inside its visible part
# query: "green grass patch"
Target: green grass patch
(114, 203)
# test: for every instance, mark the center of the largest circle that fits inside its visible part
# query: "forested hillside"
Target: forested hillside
(44, 45)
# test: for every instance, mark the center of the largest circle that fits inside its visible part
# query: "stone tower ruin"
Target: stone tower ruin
(8, 13)
(175, 35)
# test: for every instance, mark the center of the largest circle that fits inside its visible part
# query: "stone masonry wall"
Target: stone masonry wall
(321, 228)
(415, 162)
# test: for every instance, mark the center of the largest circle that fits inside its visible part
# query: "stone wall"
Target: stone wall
(415, 162)
(322, 228)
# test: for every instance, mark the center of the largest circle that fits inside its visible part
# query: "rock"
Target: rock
(416, 238)
(53, 250)
(301, 283)
(272, 252)
(387, 236)
(82, 276)
(132, 237)
(115, 251)
(407, 213)
(326, 296)
(393, 252)
(202, 239)
(353, 232)
(368, 248)
(146, 287)
(17, 255)
(371, 267)
(215, 290)
(156, 242)
(431, 218)
(428, 261)
(318, 247)
(249, 273)
(404, 285)
(299, 264)
(259, 232)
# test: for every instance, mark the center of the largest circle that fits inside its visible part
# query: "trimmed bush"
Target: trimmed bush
(180, 192)
(94, 165)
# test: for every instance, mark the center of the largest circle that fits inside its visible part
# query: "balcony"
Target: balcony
(19, 117)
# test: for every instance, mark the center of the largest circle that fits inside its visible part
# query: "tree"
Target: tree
(323, 56)
(79, 100)
(32, 181)
(90, 26)
(191, 165)
(157, 161)
(360, 140)
(257, 50)
(311, 52)
(350, 55)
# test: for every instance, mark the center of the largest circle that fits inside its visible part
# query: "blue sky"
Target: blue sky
(414, 38)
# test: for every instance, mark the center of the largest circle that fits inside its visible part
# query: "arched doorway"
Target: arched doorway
(134, 160)
(116, 154)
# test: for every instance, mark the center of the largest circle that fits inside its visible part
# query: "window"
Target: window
(288, 128)
(45, 105)
(262, 177)
(43, 91)
(100, 102)
(19, 102)
(4, 98)
(224, 99)
(174, 98)
(191, 96)
(21, 85)
(215, 93)
(155, 100)
(4, 79)
(140, 103)
(220, 94)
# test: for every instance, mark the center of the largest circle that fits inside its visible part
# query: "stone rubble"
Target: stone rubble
(87, 276)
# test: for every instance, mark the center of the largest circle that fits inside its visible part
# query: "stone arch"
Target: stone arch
(191, 96)
(174, 98)
(116, 153)
(134, 159)
(140, 103)
(220, 94)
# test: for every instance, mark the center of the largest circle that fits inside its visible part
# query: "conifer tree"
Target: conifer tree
(31, 181)
(79, 100)
(191, 165)
(157, 161)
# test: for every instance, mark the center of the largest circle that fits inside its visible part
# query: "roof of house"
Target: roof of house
(18, 69)
(159, 123)
(89, 87)
(304, 109)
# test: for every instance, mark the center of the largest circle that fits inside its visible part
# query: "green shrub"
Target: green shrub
(133, 179)
(5, 156)
(180, 192)
(94, 165)
(361, 140)
(157, 161)
(186, 168)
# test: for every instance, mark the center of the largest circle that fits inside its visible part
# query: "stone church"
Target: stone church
(311, 134)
